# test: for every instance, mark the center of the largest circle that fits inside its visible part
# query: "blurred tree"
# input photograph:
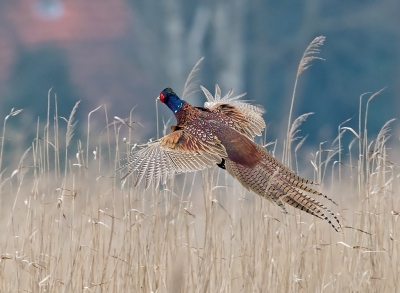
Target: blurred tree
(33, 74)
(256, 46)
(180, 33)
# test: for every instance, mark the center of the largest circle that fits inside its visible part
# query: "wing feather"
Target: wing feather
(247, 117)
(177, 152)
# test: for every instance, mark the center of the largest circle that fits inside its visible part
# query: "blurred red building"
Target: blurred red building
(92, 32)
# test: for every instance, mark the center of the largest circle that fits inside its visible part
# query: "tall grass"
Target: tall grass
(72, 227)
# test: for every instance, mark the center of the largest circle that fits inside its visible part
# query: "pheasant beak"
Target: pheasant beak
(158, 98)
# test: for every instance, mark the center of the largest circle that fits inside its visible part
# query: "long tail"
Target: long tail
(277, 183)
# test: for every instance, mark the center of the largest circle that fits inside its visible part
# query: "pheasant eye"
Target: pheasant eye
(162, 97)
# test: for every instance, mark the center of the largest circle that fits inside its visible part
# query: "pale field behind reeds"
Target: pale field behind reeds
(77, 229)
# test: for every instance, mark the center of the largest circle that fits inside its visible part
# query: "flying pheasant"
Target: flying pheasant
(221, 133)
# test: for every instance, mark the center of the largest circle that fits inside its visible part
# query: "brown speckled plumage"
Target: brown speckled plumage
(222, 133)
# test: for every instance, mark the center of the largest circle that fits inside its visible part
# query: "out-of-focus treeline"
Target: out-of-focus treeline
(123, 53)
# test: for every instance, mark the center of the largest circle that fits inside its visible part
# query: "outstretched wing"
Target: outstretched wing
(177, 152)
(247, 118)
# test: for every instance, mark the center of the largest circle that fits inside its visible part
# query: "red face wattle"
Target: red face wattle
(162, 97)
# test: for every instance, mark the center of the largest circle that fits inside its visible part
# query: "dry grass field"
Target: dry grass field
(67, 223)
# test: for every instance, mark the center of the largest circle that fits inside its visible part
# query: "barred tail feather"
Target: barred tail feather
(268, 181)
(309, 205)
(286, 174)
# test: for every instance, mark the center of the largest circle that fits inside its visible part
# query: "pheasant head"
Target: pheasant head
(168, 97)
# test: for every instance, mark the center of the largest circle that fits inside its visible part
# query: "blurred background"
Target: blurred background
(122, 53)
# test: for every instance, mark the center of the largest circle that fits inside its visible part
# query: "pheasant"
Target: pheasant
(221, 133)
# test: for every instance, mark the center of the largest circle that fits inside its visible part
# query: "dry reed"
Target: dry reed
(82, 231)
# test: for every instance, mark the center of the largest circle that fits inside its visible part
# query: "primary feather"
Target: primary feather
(221, 133)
